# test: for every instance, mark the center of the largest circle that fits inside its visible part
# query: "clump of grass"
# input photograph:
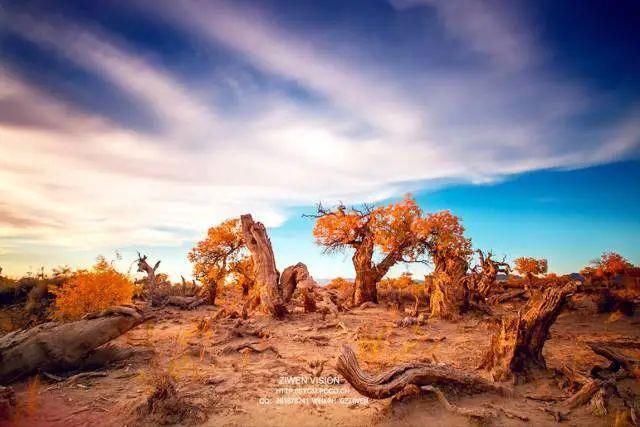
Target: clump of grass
(165, 405)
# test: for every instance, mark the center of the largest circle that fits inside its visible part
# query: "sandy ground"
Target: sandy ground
(244, 388)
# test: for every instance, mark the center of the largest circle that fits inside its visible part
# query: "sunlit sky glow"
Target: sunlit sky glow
(137, 125)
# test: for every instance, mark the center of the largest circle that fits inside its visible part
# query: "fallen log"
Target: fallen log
(516, 348)
(391, 382)
(583, 395)
(57, 346)
(185, 303)
(506, 296)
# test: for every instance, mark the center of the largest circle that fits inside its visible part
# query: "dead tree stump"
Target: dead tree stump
(516, 348)
(267, 276)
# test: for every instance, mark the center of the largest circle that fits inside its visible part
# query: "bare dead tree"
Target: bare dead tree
(158, 292)
(151, 285)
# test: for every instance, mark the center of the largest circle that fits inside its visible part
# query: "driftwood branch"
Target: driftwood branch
(391, 382)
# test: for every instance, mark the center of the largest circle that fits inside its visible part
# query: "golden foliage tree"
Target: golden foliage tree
(530, 267)
(93, 290)
(222, 256)
(607, 266)
(383, 236)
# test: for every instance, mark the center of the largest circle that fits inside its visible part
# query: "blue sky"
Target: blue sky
(136, 125)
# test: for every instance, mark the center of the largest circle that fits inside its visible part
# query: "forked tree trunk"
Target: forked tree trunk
(267, 276)
(62, 346)
(516, 348)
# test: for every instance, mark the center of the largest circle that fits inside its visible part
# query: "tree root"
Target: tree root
(367, 304)
(248, 346)
(389, 383)
(508, 413)
(477, 413)
(73, 379)
(410, 321)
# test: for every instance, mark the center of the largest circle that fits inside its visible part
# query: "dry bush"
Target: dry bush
(90, 291)
(344, 288)
(165, 405)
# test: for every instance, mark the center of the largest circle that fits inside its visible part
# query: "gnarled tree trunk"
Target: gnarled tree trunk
(449, 297)
(516, 348)
(292, 277)
(62, 346)
(365, 285)
(393, 381)
(267, 276)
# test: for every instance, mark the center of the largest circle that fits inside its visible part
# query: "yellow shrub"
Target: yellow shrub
(90, 291)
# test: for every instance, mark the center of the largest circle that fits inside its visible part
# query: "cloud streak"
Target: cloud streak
(101, 184)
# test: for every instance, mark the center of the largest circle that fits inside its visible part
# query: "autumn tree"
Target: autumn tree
(383, 236)
(609, 265)
(530, 267)
(90, 291)
(222, 256)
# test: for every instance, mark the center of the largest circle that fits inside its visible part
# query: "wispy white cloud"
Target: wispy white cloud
(100, 184)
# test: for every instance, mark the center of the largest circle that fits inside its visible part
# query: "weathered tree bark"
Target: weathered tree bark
(366, 281)
(62, 346)
(449, 297)
(7, 401)
(506, 296)
(292, 277)
(267, 276)
(486, 277)
(389, 383)
(516, 349)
